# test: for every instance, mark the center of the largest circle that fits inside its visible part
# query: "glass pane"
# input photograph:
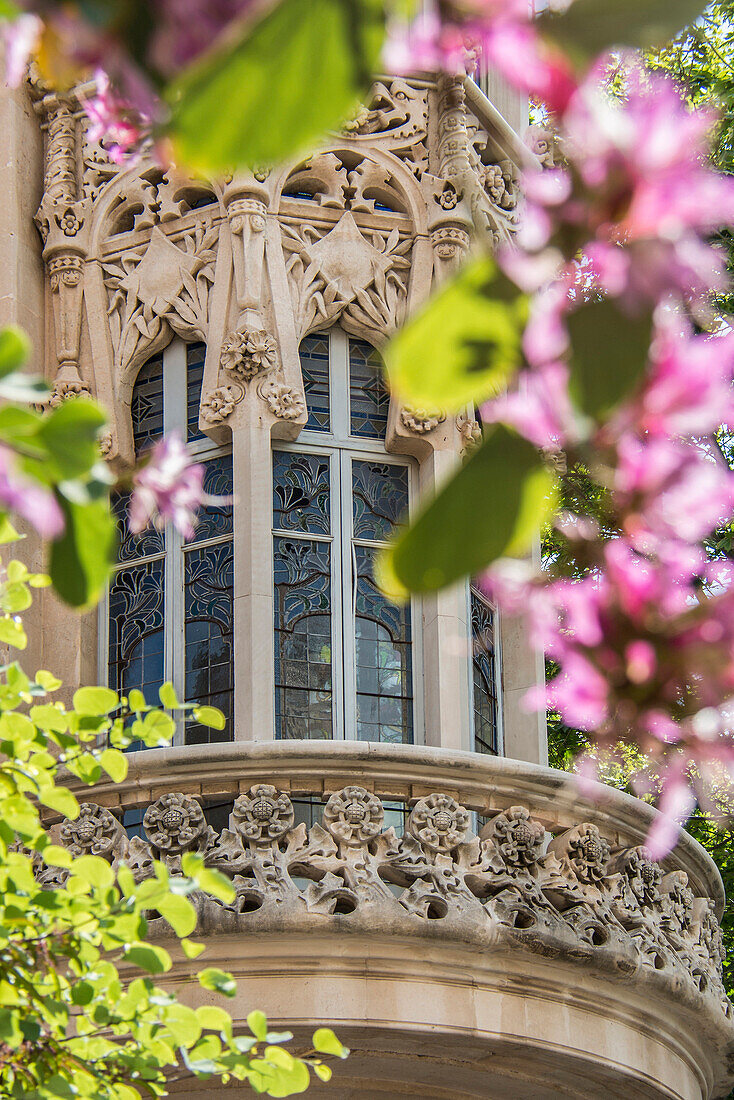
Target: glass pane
(314, 352)
(136, 635)
(208, 592)
(483, 675)
(301, 493)
(368, 396)
(147, 404)
(380, 498)
(384, 663)
(146, 544)
(214, 521)
(195, 354)
(303, 686)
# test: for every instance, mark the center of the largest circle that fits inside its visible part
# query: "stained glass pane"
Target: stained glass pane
(136, 634)
(195, 354)
(380, 498)
(368, 397)
(301, 492)
(147, 404)
(303, 677)
(208, 591)
(483, 675)
(314, 352)
(213, 521)
(131, 547)
(384, 663)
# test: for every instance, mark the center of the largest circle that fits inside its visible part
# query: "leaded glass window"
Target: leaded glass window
(344, 662)
(484, 676)
(170, 606)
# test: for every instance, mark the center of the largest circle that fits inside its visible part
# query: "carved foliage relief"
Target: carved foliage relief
(569, 896)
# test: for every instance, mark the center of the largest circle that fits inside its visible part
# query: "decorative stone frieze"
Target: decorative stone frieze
(509, 888)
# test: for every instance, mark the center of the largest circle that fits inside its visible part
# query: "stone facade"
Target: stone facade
(470, 925)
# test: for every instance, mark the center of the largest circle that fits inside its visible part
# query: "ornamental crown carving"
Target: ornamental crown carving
(94, 832)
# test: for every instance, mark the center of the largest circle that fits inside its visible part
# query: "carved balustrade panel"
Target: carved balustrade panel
(514, 885)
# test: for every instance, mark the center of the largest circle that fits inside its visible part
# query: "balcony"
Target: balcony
(470, 925)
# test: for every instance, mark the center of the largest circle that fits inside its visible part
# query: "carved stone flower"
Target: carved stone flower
(220, 403)
(263, 815)
(248, 352)
(587, 852)
(70, 224)
(354, 816)
(67, 391)
(439, 822)
(283, 401)
(175, 823)
(641, 874)
(494, 183)
(95, 832)
(448, 198)
(420, 421)
(516, 836)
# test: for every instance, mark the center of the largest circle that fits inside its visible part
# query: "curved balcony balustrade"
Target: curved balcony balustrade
(476, 905)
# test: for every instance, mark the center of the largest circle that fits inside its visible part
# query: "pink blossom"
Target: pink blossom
(113, 121)
(538, 406)
(675, 806)
(641, 661)
(20, 38)
(580, 693)
(28, 498)
(169, 489)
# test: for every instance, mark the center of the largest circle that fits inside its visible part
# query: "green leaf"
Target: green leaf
(179, 913)
(82, 558)
(157, 728)
(494, 506)
(61, 800)
(214, 1018)
(115, 764)
(220, 982)
(209, 716)
(95, 700)
(609, 352)
(94, 870)
(168, 697)
(464, 345)
(590, 26)
(70, 433)
(47, 680)
(257, 1022)
(149, 957)
(181, 1021)
(136, 700)
(56, 856)
(12, 633)
(192, 950)
(15, 349)
(7, 531)
(326, 1042)
(10, 1028)
(322, 1071)
(261, 73)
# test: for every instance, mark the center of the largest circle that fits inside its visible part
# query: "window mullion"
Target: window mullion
(339, 377)
(174, 420)
(349, 580)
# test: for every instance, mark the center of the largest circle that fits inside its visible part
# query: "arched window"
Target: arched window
(344, 654)
(169, 609)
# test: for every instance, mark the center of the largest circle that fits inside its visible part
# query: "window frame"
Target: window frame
(342, 448)
(175, 418)
(497, 646)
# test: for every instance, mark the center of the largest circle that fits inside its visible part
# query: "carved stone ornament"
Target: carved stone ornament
(264, 815)
(354, 816)
(450, 242)
(283, 401)
(470, 431)
(439, 822)
(220, 403)
(571, 901)
(66, 390)
(420, 421)
(94, 832)
(247, 353)
(175, 824)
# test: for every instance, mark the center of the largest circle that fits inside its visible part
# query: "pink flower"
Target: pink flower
(30, 500)
(641, 661)
(20, 38)
(114, 122)
(538, 407)
(169, 488)
(580, 693)
(675, 806)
